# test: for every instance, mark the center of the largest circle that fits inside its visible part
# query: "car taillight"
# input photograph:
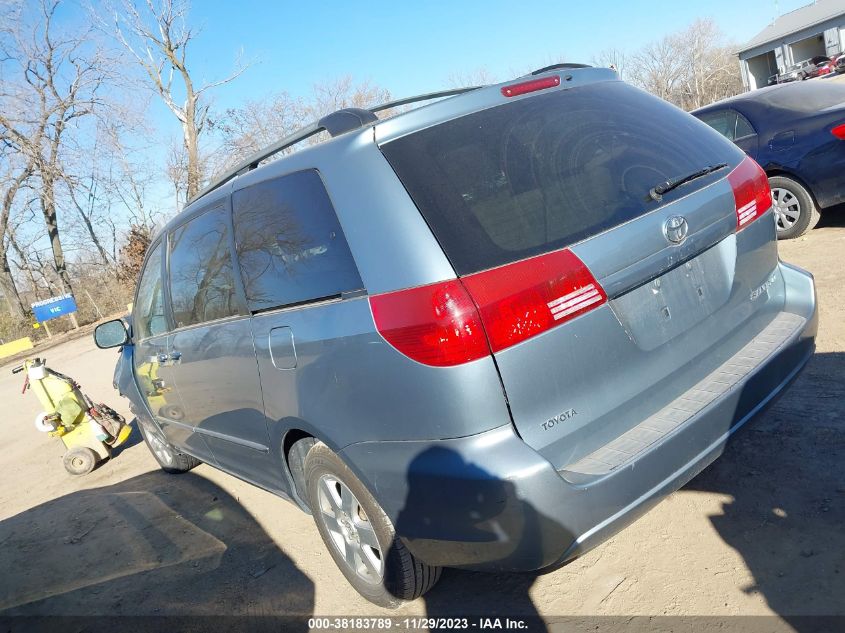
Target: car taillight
(435, 325)
(751, 192)
(839, 131)
(514, 90)
(524, 299)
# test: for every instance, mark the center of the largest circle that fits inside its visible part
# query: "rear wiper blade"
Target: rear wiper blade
(656, 192)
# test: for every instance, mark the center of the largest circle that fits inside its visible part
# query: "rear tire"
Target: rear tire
(793, 206)
(80, 460)
(348, 518)
(170, 460)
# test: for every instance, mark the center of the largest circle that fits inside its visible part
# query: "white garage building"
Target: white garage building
(816, 29)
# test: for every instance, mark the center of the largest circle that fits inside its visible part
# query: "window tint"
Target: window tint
(723, 121)
(540, 173)
(743, 127)
(289, 242)
(202, 286)
(148, 317)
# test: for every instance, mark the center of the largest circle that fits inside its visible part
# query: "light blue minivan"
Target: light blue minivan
(484, 333)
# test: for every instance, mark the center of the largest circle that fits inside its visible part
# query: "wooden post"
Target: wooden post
(73, 320)
(47, 327)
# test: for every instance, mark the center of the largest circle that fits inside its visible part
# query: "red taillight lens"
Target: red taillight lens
(514, 90)
(751, 192)
(523, 299)
(839, 131)
(434, 325)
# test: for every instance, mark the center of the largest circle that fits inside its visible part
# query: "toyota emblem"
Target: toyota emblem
(675, 229)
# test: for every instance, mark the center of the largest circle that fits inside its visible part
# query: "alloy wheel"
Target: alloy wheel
(351, 532)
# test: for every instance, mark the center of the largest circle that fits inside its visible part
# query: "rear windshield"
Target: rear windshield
(541, 173)
(811, 96)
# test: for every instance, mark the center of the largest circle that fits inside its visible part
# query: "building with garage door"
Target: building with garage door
(816, 29)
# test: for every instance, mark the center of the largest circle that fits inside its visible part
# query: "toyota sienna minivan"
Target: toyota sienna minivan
(485, 333)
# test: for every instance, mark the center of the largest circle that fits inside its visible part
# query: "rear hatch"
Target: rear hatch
(602, 294)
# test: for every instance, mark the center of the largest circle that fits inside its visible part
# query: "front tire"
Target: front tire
(359, 535)
(170, 460)
(793, 206)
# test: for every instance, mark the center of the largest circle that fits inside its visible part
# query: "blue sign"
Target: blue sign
(53, 307)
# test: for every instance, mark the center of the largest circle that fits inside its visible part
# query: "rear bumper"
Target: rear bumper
(491, 502)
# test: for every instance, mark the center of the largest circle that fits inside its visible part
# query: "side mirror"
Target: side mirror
(111, 334)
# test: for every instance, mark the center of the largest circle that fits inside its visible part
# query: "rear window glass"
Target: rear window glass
(290, 245)
(810, 96)
(544, 172)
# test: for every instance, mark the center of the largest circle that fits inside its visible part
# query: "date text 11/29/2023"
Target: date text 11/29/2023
(417, 623)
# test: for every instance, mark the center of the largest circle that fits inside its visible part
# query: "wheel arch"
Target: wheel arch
(295, 445)
(779, 171)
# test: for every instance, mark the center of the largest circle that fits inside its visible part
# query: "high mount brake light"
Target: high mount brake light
(752, 194)
(524, 87)
(452, 322)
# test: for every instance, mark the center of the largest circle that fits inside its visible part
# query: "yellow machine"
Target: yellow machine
(89, 431)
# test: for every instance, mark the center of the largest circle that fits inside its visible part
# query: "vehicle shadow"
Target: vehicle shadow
(505, 527)
(785, 475)
(155, 544)
(832, 217)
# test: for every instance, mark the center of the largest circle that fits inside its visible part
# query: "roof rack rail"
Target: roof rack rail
(335, 123)
(424, 97)
(546, 69)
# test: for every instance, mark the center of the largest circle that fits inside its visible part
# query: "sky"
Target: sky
(414, 47)
(418, 47)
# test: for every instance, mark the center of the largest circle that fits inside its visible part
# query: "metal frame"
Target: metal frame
(308, 131)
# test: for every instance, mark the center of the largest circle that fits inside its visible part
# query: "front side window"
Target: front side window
(202, 285)
(291, 248)
(148, 317)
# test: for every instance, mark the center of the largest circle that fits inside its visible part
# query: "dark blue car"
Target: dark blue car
(795, 132)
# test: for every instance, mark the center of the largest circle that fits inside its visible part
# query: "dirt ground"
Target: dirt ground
(759, 532)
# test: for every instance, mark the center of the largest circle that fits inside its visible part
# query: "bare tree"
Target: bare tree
(712, 72)
(157, 36)
(471, 78)
(658, 68)
(258, 124)
(691, 68)
(52, 82)
(611, 58)
(12, 182)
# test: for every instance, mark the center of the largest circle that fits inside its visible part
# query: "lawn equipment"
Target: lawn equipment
(89, 431)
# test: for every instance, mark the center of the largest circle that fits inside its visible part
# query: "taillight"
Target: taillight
(435, 325)
(524, 299)
(514, 90)
(751, 192)
(839, 131)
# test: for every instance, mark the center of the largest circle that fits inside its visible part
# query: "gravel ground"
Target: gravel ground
(759, 532)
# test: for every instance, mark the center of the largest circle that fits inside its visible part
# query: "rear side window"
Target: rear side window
(723, 121)
(202, 285)
(538, 174)
(743, 127)
(148, 317)
(290, 246)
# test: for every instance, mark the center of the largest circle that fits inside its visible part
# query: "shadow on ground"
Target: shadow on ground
(786, 474)
(164, 545)
(832, 217)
